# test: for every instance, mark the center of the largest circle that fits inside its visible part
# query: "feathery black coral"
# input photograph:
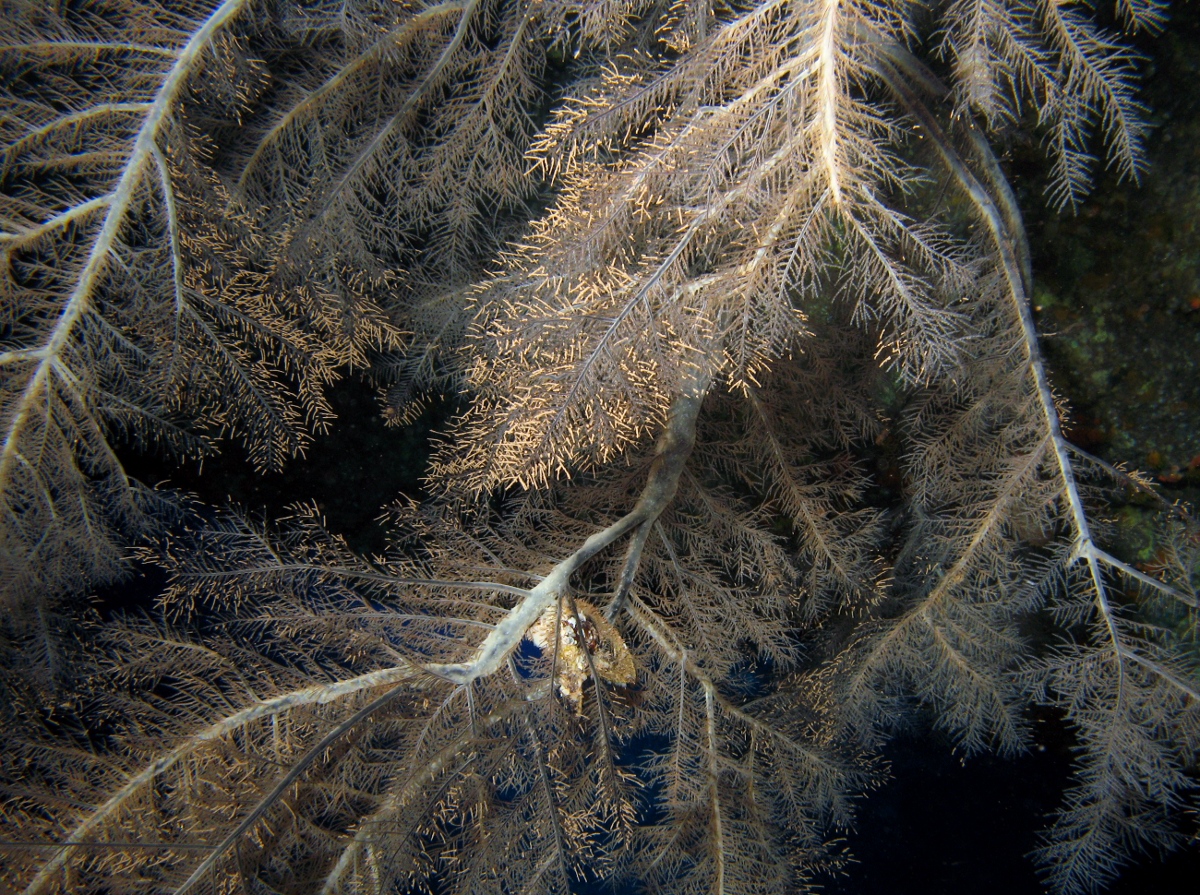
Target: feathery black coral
(136, 306)
(688, 269)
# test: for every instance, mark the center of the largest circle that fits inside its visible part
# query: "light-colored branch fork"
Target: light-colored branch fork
(671, 455)
(674, 448)
(914, 86)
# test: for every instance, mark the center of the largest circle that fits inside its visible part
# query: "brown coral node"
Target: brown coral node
(587, 644)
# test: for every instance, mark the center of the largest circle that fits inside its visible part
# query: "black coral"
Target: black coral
(684, 268)
(136, 306)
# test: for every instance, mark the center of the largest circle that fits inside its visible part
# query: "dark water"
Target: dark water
(944, 826)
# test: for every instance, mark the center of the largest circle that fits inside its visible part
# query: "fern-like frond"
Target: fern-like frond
(136, 311)
(1053, 57)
